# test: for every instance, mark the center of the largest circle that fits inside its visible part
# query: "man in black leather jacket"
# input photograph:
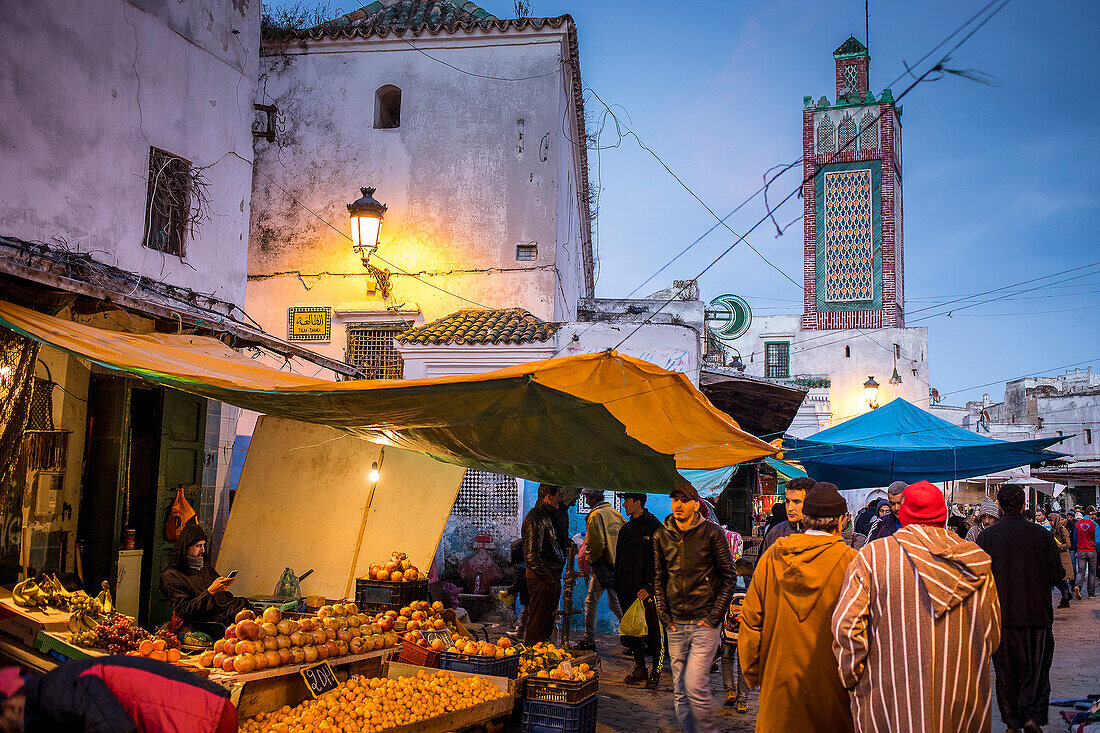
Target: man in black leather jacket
(694, 584)
(543, 555)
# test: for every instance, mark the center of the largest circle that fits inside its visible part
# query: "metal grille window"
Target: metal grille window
(371, 349)
(777, 360)
(168, 202)
(851, 77)
(826, 135)
(868, 137)
(527, 252)
(485, 497)
(847, 134)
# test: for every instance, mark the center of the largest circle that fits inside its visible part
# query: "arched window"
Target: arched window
(387, 107)
(868, 138)
(826, 137)
(846, 135)
(851, 78)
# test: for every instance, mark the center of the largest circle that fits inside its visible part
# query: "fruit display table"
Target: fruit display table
(459, 719)
(60, 644)
(270, 689)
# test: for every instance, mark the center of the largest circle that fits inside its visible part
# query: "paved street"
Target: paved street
(1076, 672)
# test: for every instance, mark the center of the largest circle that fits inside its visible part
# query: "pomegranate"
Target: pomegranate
(324, 612)
(286, 627)
(318, 636)
(259, 661)
(310, 653)
(273, 615)
(322, 652)
(245, 615)
(268, 629)
(332, 647)
(229, 664)
(270, 644)
(396, 576)
(356, 646)
(272, 658)
(297, 638)
(285, 657)
(330, 634)
(219, 645)
(306, 624)
(218, 660)
(248, 630)
(343, 635)
(298, 654)
(282, 642)
(341, 648)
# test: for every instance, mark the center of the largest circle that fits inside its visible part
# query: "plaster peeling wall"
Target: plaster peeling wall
(89, 87)
(462, 186)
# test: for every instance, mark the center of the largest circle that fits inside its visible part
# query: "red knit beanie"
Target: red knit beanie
(923, 504)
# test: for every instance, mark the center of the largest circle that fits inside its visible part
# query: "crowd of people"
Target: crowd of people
(885, 621)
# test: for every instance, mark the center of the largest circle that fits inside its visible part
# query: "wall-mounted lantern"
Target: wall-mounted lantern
(366, 222)
(870, 391)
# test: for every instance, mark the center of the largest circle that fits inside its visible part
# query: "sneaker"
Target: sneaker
(586, 645)
(1077, 592)
(742, 705)
(731, 700)
(654, 680)
(1064, 603)
(637, 676)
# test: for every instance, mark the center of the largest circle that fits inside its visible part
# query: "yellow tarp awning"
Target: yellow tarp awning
(605, 421)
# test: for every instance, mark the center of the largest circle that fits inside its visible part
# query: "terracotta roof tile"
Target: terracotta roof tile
(503, 326)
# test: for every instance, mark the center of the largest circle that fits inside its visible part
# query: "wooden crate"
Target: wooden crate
(270, 689)
(25, 624)
(459, 719)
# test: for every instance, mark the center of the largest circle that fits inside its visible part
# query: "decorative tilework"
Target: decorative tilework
(826, 135)
(849, 237)
(846, 134)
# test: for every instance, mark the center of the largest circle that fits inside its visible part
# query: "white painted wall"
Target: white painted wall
(675, 348)
(822, 353)
(89, 87)
(463, 188)
(1077, 415)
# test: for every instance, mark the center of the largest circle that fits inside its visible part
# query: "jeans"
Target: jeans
(732, 679)
(1073, 562)
(544, 592)
(592, 604)
(1086, 566)
(691, 650)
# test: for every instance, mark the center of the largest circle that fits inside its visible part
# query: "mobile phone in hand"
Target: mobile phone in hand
(232, 574)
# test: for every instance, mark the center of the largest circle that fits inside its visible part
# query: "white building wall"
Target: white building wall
(89, 87)
(1076, 415)
(464, 179)
(846, 358)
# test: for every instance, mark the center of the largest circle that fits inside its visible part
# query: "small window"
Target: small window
(847, 352)
(851, 78)
(527, 252)
(777, 360)
(1088, 436)
(167, 202)
(868, 132)
(847, 134)
(826, 135)
(387, 107)
(485, 498)
(371, 349)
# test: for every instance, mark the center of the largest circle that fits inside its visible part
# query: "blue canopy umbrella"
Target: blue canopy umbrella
(902, 442)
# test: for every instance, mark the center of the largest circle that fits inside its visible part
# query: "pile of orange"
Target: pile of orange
(503, 647)
(579, 673)
(156, 649)
(374, 705)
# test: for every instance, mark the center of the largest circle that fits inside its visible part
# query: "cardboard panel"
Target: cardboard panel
(300, 503)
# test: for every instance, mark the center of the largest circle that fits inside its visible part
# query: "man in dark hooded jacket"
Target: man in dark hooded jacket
(193, 588)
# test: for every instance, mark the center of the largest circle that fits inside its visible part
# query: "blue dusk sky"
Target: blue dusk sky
(999, 181)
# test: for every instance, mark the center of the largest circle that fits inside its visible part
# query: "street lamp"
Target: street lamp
(737, 363)
(366, 222)
(870, 391)
(373, 473)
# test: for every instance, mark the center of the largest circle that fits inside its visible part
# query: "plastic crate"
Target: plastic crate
(543, 689)
(491, 666)
(555, 717)
(373, 596)
(412, 653)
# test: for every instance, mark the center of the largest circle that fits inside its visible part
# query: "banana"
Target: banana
(105, 600)
(26, 593)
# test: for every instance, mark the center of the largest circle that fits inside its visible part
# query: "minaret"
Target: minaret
(854, 274)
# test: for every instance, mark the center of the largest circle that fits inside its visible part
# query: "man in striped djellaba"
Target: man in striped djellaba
(916, 624)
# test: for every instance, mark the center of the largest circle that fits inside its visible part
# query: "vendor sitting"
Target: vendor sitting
(197, 594)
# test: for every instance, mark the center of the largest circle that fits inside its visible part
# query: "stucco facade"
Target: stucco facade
(90, 87)
(477, 168)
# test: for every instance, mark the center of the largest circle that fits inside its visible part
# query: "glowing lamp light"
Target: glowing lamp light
(374, 473)
(366, 222)
(5, 375)
(870, 391)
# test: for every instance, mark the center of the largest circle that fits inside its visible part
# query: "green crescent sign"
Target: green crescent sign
(728, 316)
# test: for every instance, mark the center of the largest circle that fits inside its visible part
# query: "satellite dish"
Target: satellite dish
(728, 317)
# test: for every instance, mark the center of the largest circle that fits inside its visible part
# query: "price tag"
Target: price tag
(319, 679)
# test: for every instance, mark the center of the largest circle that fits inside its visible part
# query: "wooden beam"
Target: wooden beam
(206, 320)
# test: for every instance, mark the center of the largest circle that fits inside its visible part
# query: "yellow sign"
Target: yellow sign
(309, 323)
